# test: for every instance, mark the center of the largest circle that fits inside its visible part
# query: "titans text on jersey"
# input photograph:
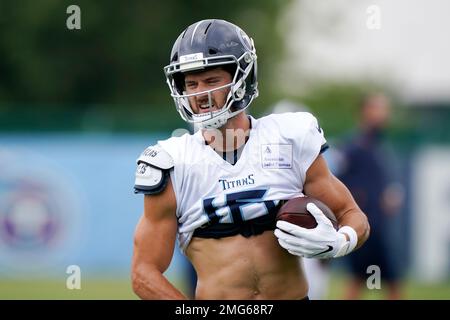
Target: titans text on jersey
(228, 184)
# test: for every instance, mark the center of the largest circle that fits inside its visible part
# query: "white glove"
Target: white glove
(322, 242)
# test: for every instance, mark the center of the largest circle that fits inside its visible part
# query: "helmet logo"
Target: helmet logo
(231, 44)
(245, 39)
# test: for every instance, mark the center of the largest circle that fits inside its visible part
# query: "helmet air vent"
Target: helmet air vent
(209, 25)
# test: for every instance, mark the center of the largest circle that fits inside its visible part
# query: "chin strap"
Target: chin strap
(218, 119)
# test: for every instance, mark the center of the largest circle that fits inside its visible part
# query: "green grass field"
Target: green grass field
(120, 289)
(52, 289)
(412, 290)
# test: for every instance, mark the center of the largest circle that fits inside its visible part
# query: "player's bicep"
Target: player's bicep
(322, 184)
(155, 234)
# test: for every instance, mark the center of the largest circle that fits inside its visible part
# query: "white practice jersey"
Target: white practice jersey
(271, 167)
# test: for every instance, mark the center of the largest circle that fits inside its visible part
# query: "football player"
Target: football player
(218, 190)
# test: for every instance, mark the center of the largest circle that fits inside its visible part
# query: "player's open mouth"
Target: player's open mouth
(206, 107)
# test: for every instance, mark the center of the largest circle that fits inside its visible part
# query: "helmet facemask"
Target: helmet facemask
(239, 97)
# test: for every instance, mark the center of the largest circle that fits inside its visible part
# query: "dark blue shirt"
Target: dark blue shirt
(365, 174)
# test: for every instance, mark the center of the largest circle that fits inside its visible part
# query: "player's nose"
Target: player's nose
(201, 99)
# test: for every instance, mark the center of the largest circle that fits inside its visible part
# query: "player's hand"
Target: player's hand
(322, 242)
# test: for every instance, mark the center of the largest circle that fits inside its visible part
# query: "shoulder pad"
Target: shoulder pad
(152, 172)
(150, 180)
(156, 156)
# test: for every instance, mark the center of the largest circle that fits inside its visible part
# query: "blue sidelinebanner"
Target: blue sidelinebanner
(68, 200)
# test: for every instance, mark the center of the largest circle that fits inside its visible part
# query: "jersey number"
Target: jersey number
(238, 206)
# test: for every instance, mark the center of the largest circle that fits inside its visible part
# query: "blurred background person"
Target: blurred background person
(367, 169)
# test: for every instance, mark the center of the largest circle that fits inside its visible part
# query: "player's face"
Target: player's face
(207, 80)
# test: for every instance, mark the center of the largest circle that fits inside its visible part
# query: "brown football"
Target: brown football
(294, 211)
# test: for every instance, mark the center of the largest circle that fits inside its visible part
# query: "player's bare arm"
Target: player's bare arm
(154, 243)
(322, 184)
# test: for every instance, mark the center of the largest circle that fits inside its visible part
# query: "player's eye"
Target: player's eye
(191, 85)
(213, 81)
